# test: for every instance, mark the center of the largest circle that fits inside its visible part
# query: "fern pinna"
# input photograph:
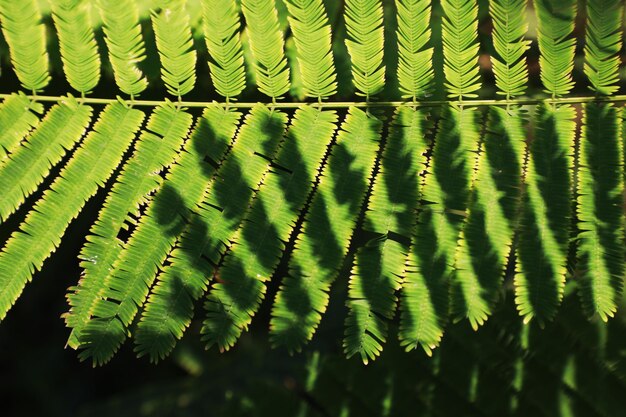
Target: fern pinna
(421, 211)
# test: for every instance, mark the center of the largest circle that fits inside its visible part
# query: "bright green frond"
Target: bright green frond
(26, 36)
(267, 44)
(175, 45)
(424, 302)
(256, 253)
(415, 69)
(555, 24)
(155, 151)
(364, 25)
(487, 238)
(509, 28)
(209, 233)
(127, 285)
(21, 174)
(600, 210)
(18, 116)
(221, 33)
(603, 44)
(125, 43)
(545, 223)
(79, 50)
(379, 266)
(40, 234)
(459, 35)
(309, 23)
(329, 224)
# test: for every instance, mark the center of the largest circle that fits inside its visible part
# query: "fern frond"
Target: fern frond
(125, 44)
(267, 45)
(79, 51)
(379, 266)
(18, 116)
(26, 36)
(603, 43)
(221, 33)
(364, 25)
(155, 151)
(415, 71)
(487, 238)
(235, 299)
(127, 285)
(175, 45)
(545, 222)
(40, 234)
(555, 24)
(329, 224)
(21, 174)
(600, 210)
(209, 233)
(424, 302)
(509, 28)
(309, 23)
(459, 35)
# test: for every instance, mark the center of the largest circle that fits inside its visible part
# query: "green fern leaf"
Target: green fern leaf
(509, 28)
(415, 71)
(125, 44)
(175, 45)
(40, 234)
(600, 211)
(364, 25)
(18, 116)
(156, 150)
(379, 266)
(267, 45)
(545, 223)
(210, 233)
(79, 51)
(256, 253)
(59, 131)
(309, 24)
(487, 238)
(603, 43)
(26, 36)
(555, 24)
(330, 222)
(459, 35)
(424, 304)
(221, 32)
(127, 285)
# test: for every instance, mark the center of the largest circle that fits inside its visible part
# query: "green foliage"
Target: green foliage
(364, 26)
(157, 148)
(329, 224)
(18, 116)
(555, 24)
(459, 34)
(125, 44)
(415, 74)
(309, 23)
(603, 42)
(600, 193)
(221, 31)
(26, 36)
(509, 28)
(79, 51)
(40, 234)
(175, 44)
(61, 128)
(267, 44)
(254, 208)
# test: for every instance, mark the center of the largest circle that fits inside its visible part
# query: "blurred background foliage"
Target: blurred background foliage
(572, 367)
